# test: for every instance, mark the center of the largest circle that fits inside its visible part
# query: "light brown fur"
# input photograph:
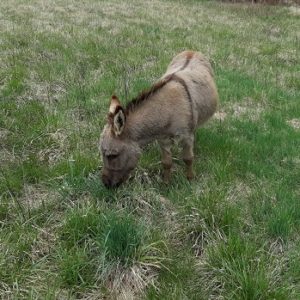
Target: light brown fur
(184, 98)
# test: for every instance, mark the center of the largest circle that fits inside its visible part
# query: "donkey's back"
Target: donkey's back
(195, 74)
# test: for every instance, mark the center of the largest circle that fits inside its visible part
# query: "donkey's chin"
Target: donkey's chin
(111, 183)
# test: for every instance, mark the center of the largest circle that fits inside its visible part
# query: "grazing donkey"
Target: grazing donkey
(183, 99)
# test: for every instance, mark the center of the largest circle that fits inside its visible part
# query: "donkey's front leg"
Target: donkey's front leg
(166, 158)
(188, 155)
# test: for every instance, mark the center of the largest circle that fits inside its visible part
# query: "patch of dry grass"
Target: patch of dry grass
(295, 123)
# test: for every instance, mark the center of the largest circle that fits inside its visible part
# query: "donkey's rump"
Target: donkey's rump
(193, 72)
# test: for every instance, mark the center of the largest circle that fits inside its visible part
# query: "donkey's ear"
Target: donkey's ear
(116, 116)
(114, 104)
(119, 121)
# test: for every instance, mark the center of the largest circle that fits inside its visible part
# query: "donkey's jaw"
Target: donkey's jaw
(110, 181)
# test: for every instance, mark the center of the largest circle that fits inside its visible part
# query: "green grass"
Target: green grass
(232, 233)
(118, 237)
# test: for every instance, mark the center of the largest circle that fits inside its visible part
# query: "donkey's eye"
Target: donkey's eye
(112, 156)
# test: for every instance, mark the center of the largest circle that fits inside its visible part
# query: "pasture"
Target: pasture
(231, 233)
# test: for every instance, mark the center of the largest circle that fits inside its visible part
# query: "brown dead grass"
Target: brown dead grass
(295, 123)
(36, 195)
(238, 192)
(253, 112)
(246, 108)
(47, 93)
(57, 151)
(43, 244)
(220, 116)
(294, 10)
(3, 133)
(131, 283)
(6, 156)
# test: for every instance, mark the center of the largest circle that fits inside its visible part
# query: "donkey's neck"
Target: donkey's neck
(147, 123)
(147, 117)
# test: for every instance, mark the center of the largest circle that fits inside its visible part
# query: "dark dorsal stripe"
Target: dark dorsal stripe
(188, 59)
(183, 83)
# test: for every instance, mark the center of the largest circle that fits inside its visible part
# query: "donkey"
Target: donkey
(184, 98)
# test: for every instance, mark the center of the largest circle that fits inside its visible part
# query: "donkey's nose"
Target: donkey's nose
(106, 180)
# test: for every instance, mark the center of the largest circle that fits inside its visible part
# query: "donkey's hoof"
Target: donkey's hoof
(166, 179)
(190, 176)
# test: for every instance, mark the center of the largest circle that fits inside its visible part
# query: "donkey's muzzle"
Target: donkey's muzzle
(106, 181)
(110, 182)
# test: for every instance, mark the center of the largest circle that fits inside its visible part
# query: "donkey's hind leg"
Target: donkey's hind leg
(188, 155)
(166, 158)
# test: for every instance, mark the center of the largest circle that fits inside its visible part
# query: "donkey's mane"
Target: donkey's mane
(146, 94)
(134, 103)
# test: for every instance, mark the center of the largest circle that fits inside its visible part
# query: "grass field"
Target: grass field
(232, 233)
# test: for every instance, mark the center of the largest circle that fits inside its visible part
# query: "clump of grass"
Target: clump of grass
(236, 268)
(106, 244)
(280, 224)
(122, 240)
(76, 268)
(118, 238)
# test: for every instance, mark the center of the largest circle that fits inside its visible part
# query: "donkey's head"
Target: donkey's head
(119, 153)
